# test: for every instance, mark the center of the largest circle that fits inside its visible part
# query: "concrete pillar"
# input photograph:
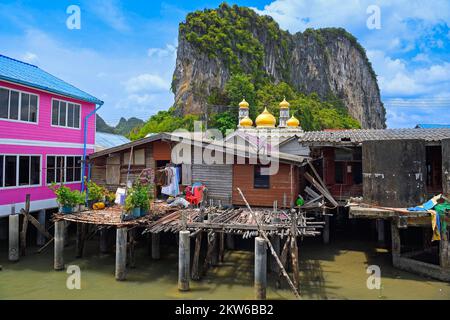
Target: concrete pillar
(275, 241)
(380, 231)
(40, 239)
(326, 230)
(121, 253)
(260, 268)
(155, 246)
(13, 253)
(230, 241)
(104, 240)
(184, 256)
(59, 245)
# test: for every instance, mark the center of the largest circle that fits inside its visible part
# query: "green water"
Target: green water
(336, 271)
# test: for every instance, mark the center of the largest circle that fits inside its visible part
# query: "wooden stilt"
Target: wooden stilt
(230, 241)
(81, 236)
(209, 251)
(121, 253)
(326, 229)
(104, 240)
(155, 246)
(444, 258)
(275, 240)
(195, 263)
(215, 253)
(396, 244)
(59, 245)
(260, 268)
(184, 256)
(131, 249)
(380, 232)
(294, 260)
(221, 246)
(283, 258)
(13, 252)
(40, 238)
(23, 233)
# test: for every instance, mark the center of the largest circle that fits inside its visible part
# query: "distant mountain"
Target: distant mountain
(124, 126)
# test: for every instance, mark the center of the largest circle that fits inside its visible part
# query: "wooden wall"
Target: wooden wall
(446, 167)
(394, 172)
(280, 184)
(217, 178)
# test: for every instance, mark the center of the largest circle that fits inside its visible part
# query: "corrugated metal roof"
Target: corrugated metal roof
(358, 136)
(30, 75)
(105, 140)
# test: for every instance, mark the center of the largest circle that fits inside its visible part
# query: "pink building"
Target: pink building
(45, 124)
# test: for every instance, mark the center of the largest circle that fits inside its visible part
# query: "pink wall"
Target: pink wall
(43, 130)
(16, 195)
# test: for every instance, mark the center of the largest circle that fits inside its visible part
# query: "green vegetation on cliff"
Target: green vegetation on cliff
(313, 113)
(164, 121)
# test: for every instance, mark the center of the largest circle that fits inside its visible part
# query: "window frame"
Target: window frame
(268, 187)
(17, 186)
(65, 168)
(67, 113)
(20, 106)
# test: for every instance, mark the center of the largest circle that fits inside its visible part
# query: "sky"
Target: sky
(124, 51)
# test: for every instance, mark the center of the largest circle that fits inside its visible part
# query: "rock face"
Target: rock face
(324, 61)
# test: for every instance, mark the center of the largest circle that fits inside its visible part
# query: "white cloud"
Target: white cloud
(146, 82)
(110, 13)
(30, 57)
(102, 74)
(169, 51)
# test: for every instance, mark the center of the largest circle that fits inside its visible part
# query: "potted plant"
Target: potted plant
(81, 200)
(137, 200)
(65, 198)
(96, 193)
(132, 203)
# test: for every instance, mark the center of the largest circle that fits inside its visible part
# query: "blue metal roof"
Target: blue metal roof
(30, 75)
(105, 140)
(433, 126)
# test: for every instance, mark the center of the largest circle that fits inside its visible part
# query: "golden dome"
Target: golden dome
(284, 104)
(265, 120)
(293, 122)
(246, 122)
(243, 104)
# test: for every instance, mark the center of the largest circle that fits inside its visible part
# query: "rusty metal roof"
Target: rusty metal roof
(356, 137)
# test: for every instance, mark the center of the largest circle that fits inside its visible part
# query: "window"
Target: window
(16, 105)
(138, 158)
(339, 172)
(65, 114)
(20, 170)
(260, 181)
(63, 169)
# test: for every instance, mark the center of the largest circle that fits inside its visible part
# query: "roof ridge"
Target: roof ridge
(19, 61)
